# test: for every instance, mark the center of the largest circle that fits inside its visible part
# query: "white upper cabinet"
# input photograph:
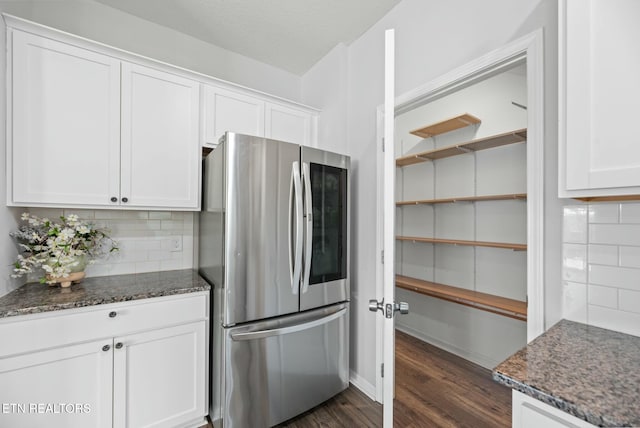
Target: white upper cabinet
(65, 130)
(89, 130)
(160, 142)
(289, 124)
(599, 94)
(230, 111)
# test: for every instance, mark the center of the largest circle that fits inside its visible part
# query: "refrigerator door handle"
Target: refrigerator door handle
(295, 255)
(261, 334)
(308, 236)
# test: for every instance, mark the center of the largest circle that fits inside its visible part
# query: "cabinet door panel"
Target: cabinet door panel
(159, 377)
(599, 96)
(160, 144)
(66, 124)
(287, 124)
(231, 111)
(49, 384)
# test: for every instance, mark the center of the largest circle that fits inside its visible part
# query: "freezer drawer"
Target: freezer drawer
(280, 368)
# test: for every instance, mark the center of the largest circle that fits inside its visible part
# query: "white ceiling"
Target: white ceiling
(289, 34)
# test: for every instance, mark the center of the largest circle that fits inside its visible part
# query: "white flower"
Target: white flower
(83, 229)
(66, 234)
(24, 216)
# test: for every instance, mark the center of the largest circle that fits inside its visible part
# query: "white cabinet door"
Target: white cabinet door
(64, 121)
(65, 387)
(288, 124)
(531, 413)
(159, 377)
(599, 98)
(160, 142)
(230, 111)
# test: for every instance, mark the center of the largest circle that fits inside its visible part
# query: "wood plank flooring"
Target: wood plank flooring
(433, 389)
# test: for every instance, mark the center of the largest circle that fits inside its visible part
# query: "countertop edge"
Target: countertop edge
(556, 402)
(88, 303)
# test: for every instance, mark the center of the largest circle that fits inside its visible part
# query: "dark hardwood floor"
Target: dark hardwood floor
(433, 389)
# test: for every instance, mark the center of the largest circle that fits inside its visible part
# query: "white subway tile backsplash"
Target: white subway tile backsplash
(608, 295)
(630, 256)
(574, 302)
(625, 322)
(574, 262)
(630, 213)
(159, 215)
(620, 277)
(615, 234)
(603, 296)
(629, 301)
(604, 213)
(603, 254)
(144, 239)
(574, 228)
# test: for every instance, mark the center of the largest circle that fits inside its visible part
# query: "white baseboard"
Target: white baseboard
(481, 360)
(363, 385)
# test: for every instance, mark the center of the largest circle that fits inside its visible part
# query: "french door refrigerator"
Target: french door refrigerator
(274, 245)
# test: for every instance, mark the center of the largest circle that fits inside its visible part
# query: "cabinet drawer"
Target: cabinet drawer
(41, 331)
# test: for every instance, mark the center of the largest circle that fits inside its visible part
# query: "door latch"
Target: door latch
(389, 309)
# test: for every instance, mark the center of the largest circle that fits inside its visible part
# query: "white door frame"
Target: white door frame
(530, 49)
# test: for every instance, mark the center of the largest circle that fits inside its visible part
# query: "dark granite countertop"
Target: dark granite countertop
(589, 372)
(34, 298)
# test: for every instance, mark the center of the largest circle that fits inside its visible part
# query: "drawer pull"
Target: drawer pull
(112, 314)
(119, 345)
(114, 199)
(105, 348)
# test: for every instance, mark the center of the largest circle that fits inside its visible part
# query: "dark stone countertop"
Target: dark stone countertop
(589, 372)
(35, 298)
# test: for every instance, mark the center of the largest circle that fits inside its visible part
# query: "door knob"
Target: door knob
(375, 306)
(389, 309)
(402, 307)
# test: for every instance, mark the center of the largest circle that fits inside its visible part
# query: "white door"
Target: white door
(64, 387)
(599, 97)
(287, 124)
(160, 142)
(230, 111)
(388, 307)
(159, 377)
(65, 137)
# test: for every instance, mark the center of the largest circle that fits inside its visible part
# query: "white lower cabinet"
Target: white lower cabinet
(158, 377)
(531, 413)
(149, 371)
(64, 387)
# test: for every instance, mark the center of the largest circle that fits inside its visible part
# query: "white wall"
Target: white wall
(601, 265)
(113, 27)
(432, 38)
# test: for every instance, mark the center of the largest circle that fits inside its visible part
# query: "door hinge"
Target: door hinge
(382, 256)
(382, 370)
(383, 144)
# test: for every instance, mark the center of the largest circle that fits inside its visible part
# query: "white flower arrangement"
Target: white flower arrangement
(59, 248)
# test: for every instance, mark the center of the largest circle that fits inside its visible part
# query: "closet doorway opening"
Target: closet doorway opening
(468, 216)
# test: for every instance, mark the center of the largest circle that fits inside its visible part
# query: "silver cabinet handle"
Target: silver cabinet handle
(295, 197)
(261, 334)
(308, 236)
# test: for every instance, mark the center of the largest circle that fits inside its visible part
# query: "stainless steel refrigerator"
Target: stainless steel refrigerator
(274, 245)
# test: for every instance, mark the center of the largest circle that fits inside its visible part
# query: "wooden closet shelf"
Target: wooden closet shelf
(511, 137)
(465, 199)
(486, 302)
(447, 125)
(504, 245)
